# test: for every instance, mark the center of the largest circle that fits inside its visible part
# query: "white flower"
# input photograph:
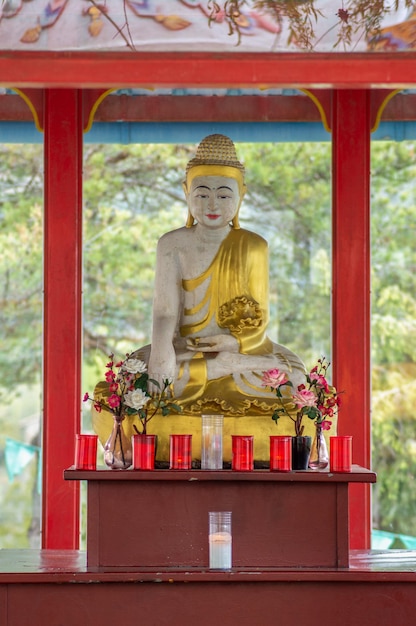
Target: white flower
(134, 366)
(136, 399)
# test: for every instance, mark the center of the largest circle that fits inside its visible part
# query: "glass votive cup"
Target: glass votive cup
(280, 453)
(211, 442)
(220, 539)
(86, 452)
(242, 453)
(143, 451)
(340, 453)
(180, 452)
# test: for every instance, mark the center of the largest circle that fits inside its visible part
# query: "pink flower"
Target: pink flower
(325, 425)
(113, 387)
(274, 378)
(86, 397)
(110, 364)
(320, 380)
(114, 401)
(97, 407)
(304, 397)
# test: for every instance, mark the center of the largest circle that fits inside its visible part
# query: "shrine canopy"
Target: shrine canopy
(179, 25)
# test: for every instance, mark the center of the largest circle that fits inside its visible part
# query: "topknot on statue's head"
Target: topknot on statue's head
(216, 150)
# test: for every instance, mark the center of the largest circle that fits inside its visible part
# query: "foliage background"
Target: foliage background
(133, 194)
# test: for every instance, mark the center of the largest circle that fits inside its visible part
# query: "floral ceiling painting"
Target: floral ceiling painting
(231, 25)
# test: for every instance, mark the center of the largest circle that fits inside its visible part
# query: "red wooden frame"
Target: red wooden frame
(125, 69)
(351, 286)
(62, 314)
(61, 75)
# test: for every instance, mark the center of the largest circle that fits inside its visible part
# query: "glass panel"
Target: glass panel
(394, 343)
(21, 241)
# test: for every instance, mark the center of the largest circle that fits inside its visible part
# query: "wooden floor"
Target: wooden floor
(60, 566)
(55, 588)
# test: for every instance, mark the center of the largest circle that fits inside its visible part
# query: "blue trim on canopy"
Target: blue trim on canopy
(187, 132)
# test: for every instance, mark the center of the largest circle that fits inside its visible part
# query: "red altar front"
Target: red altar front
(160, 518)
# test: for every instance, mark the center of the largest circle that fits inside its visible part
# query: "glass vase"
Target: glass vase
(319, 457)
(117, 450)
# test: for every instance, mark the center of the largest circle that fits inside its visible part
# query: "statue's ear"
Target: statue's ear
(189, 220)
(243, 192)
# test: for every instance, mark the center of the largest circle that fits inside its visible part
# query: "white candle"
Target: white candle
(220, 550)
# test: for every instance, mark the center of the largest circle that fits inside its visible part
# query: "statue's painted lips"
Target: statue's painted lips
(213, 216)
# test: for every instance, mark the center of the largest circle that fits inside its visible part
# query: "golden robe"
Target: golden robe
(235, 293)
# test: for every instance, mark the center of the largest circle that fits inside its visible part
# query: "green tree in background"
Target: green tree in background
(133, 194)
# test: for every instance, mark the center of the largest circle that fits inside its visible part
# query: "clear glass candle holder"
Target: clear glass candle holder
(211, 442)
(220, 540)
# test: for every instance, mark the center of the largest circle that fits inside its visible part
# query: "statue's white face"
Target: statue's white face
(213, 200)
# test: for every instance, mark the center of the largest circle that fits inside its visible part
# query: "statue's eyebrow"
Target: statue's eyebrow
(210, 188)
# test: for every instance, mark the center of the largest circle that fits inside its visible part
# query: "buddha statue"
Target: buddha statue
(211, 310)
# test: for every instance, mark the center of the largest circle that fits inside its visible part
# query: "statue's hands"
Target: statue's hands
(154, 390)
(162, 366)
(213, 343)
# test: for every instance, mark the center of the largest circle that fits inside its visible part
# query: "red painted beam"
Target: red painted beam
(351, 288)
(192, 108)
(62, 314)
(252, 108)
(128, 69)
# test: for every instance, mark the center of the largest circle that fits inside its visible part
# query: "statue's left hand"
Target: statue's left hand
(213, 343)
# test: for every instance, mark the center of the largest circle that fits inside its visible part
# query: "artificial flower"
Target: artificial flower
(128, 394)
(316, 398)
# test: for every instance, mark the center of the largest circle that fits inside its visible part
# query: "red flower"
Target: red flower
(325, 425)
(110, 376)
(97, 407)
(343, 15)
(113, 387)
(86, 397)
(114, 401)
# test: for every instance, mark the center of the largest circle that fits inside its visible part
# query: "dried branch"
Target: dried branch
(129, 42)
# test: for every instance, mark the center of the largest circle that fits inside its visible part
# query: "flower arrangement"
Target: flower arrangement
(316, 399)
(127, 386)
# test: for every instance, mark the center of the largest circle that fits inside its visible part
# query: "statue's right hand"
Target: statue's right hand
(153, 389)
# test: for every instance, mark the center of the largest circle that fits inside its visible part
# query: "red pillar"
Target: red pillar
(62, 314)
(351, 287)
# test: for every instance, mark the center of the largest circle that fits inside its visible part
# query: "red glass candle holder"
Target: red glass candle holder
(86, 452)
(340, 453)
(280, 453)
(143, 451)
(180, 452)
(242, 453)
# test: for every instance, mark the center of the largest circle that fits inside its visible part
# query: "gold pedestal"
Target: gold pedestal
(260, 426)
